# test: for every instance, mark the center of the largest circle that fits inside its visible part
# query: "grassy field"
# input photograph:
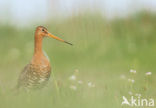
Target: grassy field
(103, 54)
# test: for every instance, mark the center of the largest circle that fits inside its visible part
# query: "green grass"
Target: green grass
(102, 52)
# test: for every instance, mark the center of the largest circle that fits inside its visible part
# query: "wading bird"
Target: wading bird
(37, 72)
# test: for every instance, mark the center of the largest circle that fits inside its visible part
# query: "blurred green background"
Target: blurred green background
(101, 58)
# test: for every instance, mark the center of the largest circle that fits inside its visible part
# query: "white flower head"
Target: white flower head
(73, 87)
(131, 80)
(90, 84)
(132, 71)
(122, 76)
(137, 94)
(148, 73)
(130, 93)
(80, 82)
(73, 77)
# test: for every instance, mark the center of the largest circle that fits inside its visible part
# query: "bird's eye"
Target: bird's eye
(43, 30)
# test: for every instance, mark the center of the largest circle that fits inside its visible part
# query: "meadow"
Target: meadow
(109, 59)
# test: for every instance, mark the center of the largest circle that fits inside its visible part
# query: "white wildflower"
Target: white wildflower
(90, 84)
(131, 80)
(132, 71)
(148, 73)
(137, 94)
(130, 93)
(80, 82)
(73, 87)
(122, 76)
(73, 77)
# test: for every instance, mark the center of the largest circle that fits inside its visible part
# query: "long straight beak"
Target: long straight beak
(57, 38)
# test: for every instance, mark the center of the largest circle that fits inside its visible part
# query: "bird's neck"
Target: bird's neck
(38, 45)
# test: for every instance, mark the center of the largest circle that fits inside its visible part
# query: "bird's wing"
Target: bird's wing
(23, 76)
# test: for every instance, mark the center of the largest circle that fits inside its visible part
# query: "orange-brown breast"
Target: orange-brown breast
(36, 73)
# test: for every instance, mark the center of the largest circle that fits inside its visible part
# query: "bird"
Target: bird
(37, 73)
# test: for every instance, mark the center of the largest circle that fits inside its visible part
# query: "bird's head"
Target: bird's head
(43, 32)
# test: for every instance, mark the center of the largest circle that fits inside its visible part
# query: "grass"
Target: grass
(103, 51)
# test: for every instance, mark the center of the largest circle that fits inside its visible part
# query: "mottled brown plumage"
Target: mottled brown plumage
(37, 72)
